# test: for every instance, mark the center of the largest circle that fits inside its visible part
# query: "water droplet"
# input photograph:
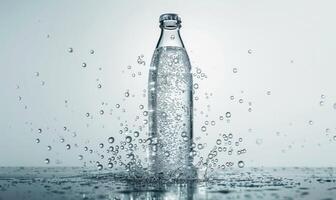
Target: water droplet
(47, 161)
(91, 51)
(83, 64)
(127, 94)
(62, 140)
(141, 107)
(311, 122)
(87, 114)
(200, 146)
(322, 96)
(100, 166)
(219, 142)
(203, 128)
(49, 148)
(110, 140)
(235, 70)
(136, 134)
(117, 106)
(145, 113)
(101, 145)
(70, 50)
(99, 86)
(39, 130)
(80, 157)
(213, 123)
(241, 164)
(227, 114)
(37, 140)
(128, 139)
(110, 165)
(101, 112)
(221, 117)
(68, 146)
(241, 100)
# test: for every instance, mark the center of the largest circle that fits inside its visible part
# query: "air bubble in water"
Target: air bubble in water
(195, 86)
(127, 94)
(117, 105)
(101, 112)
(39, 130)
(141, 107)
(70, 50)
(100, 166)
(219, 142)
(322, 96)
(37, 73)
(241, 100)
(47, 161)
(221, 117)
(68, 146)
(250, 51)
(228, 114)
(101, 145)
(241, 164)
(49, 148)
(99, 86)
(91, 51)
(80, 157)
(203, 128)
(232, 97)
(311, 122)
(83, 64)
(37, 140)
(111, 140)
(87, 114)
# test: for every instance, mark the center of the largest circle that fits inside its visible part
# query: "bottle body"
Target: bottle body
(170, 112)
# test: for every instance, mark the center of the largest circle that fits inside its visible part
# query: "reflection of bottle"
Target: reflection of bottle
(170, 102)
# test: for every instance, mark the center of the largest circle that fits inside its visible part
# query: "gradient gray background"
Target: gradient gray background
(293, 44)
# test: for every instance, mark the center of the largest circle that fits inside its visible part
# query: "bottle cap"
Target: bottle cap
(170, 16)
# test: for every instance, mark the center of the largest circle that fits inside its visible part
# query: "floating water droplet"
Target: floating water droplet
(101, 112)
(203, 128)
(111, 140)
(117, 106)
(100, 166)
(47, 161)
(37, 140)
(39, 130)
(219, 142)
(68, 146)
(141, 107)
(62, 140)
(213, 123)
(92, 51)
(136, 133)
(101, 145)
(83, 64)
(87, 114)
(127, 94)
(227, 114)
(110, 165)
(99, 86)
(70, 50)
(221, 117)
(145, 113)
(241, 164)
(37, 73)
(128, 139)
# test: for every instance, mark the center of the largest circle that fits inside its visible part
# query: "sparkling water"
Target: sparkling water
(170, 111)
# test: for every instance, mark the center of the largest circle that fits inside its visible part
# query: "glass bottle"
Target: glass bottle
(170, 103)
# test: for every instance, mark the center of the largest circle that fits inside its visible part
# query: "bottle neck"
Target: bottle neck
(170, 36)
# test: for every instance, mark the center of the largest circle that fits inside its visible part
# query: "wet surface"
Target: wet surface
(249, 183)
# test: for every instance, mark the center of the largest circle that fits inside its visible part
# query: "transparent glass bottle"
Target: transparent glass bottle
(170, 103)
